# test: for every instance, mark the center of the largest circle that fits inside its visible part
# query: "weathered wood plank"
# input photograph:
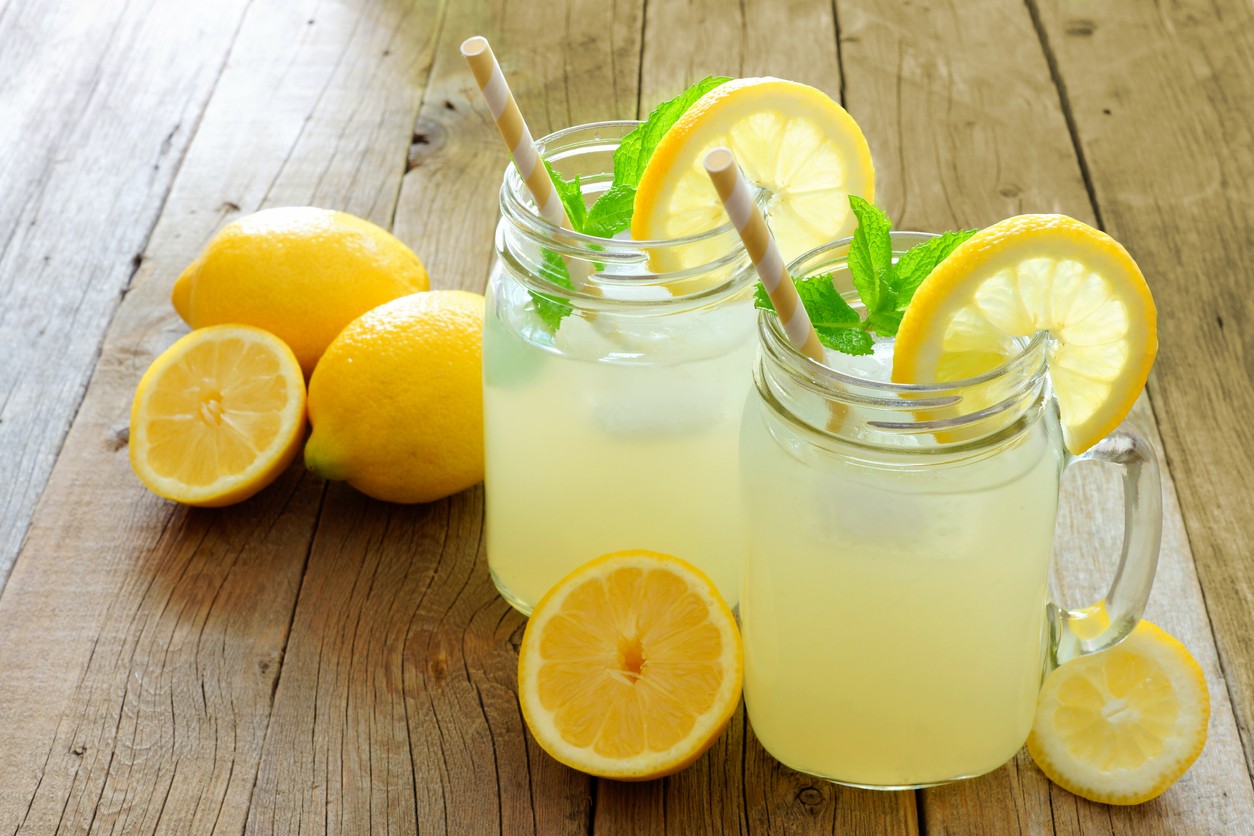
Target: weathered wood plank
(141, 642)
(946, 98)
(99, 102)
(1163, 106)
(402, 656)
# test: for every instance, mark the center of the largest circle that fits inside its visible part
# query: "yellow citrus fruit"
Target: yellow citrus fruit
(298, 272)
(1028, 274)
(790, 139)
(630, 667)
(218, 416)
(396, 402)
(1122, 725)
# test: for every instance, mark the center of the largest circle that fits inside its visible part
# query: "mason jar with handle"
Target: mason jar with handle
(612, 409)
(895, 607)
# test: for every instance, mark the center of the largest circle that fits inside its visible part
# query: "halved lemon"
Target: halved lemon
(790, 139)
(1122, 725)
(1028, 274)
(218, 416)
(630, 667)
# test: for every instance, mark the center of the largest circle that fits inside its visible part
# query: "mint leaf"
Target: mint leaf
(884, 323)
(571, 194)
(919, 261)
(828, 310)
(826, 307)
(634, 151)
(849, 340)
(871, 257)
(611, 214)
(835, 322)
(552, 309)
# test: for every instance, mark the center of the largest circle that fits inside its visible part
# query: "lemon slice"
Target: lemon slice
(1028, 274)
(218, 416)
(790, 139)
(1122, 725)
(630, 667)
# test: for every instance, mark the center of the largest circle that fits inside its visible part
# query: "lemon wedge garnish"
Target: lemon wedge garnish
(790, 139)
(1025, 275)
(1120, 726)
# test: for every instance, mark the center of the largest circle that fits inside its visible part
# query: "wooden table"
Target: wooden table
(314, 661)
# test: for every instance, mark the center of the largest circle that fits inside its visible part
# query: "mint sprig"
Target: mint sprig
(611, 213)
(884, 287)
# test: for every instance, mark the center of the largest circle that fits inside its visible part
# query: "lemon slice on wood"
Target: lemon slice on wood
(630, 667)
(1028, 274)
(218, 416)
(790, 139)
(1122, 725)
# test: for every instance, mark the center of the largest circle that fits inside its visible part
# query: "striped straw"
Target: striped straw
(509, 120)
(760, 244)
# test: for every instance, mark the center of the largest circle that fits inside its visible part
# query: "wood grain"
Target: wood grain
(100, 100)
(141, 642)
(398, 702)
(1161, 98)
(948, 105)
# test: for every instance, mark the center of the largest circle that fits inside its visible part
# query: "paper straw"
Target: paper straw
(509, 121)
(760, 244)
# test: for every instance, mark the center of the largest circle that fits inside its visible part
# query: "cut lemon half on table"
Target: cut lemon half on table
(1025, 275)
(218, 416)
(630, 667)
(1122, 725)
(790, 140)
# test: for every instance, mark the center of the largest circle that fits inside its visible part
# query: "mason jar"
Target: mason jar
(895, 609)
(612, 410)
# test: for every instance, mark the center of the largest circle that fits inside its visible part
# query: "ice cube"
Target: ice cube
(876, 366)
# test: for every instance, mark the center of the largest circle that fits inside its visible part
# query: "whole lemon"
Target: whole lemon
(300, 273)
(396, 402)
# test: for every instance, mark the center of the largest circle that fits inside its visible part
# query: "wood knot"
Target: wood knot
(811, 796)
(78, 750)
(1010, 191)
(428, 137)
(118, 439)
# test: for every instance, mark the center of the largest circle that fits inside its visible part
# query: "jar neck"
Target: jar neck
(622, 275)
(850, 407)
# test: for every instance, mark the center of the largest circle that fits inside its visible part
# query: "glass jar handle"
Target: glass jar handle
(1106, 623)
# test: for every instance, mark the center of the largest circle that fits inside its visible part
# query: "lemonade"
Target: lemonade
(602, 446)
(618, 428)
(895, 609)
(910, 645)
